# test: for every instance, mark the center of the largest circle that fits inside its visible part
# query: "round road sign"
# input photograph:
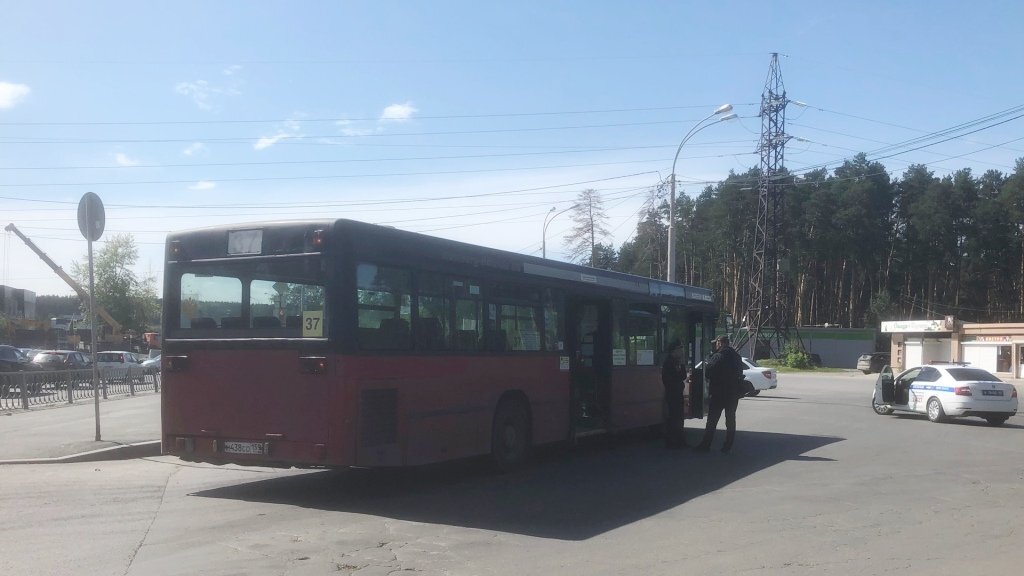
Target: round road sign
(91, 217)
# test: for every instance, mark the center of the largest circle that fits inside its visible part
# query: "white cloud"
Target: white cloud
(203, 94)
(198, 91)
(203, 185)
(194, 149)
(268, 141)
(291, 129)
(398, 112)
(12, 94)
(232, 70)
(349, 129)
(123, 159)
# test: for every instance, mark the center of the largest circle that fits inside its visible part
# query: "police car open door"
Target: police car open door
(885, 387)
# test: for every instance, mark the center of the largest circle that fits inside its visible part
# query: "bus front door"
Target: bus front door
(589, 338)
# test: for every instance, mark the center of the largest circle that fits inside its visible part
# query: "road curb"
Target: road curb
(120, 452)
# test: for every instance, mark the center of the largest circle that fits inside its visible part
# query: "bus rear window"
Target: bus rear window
(252, 299)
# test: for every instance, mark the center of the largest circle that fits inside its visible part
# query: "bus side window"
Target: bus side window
(266, 322)
(395, 333)
(203, 323)
(465, 340)
(429, 334)
(231, 322)
(495, 341)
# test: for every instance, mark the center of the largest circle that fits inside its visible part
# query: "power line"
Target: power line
(349, 176)
(287, 138)
(363, 160)
(366, 119)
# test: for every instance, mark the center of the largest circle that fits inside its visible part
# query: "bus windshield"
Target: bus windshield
(277, 297)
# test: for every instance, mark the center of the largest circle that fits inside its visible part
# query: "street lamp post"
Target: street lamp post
(551, 215)
(723, 109)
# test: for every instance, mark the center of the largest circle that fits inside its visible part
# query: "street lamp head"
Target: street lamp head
(723, 109)
(728, 117)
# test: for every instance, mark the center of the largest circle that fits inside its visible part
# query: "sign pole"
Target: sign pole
(92, 335)
(91, 220)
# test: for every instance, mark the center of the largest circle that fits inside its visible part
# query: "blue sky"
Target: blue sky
(467, 120)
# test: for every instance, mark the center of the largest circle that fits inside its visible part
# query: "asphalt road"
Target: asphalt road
(816, 484)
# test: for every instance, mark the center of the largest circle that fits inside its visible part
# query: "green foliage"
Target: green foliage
(7, 329)
(855, 247)
(130, 300)
(880, 308)
(794, 357)
(48, 306)
(605, 257)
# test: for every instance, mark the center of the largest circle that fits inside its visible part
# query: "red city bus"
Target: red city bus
(340, 343)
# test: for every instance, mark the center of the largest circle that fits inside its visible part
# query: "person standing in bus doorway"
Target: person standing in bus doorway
(725, 369)
(673, 377)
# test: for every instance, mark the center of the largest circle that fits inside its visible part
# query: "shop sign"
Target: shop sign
(917, 326)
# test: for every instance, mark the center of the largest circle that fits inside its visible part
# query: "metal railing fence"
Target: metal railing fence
(32, 389)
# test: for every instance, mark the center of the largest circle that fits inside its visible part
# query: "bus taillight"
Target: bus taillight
(176, 252)
(317, 239)
(313, 364)
(176, 363)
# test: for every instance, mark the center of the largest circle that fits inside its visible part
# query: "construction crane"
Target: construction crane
(115, 326)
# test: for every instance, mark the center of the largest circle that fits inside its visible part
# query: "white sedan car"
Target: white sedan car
(945, 390)
(759, 377)
(151, 365)
(119, 365)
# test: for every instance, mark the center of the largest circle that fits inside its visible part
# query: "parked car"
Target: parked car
(945, 390)
(119, 365)
(873, 362)
(61, 360)
(13, 360)
(759, 377)
(151, 365)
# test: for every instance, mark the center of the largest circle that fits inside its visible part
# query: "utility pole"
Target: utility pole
(768, 314)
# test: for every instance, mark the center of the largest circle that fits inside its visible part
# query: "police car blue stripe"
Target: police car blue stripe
(931, 387)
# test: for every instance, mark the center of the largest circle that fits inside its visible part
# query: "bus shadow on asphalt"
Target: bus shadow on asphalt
(563, 494)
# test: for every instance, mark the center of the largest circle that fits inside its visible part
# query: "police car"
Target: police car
(945, 390)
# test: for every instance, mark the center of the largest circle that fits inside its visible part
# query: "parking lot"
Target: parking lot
(817, 483)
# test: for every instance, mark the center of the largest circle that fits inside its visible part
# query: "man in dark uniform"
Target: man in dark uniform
(673, 377)
(725, 369)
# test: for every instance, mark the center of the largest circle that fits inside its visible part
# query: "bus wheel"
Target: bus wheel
(510, 434)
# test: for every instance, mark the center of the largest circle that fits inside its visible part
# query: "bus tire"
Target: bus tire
(510, 434)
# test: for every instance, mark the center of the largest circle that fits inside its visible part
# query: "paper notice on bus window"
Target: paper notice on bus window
(645, 357)
(563, 363)
(619, 357)
(313, 324)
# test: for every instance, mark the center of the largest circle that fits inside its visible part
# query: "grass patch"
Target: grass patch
(782, 368)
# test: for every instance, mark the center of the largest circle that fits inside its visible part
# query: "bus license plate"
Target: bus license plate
(244, 447)
(991, 392)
